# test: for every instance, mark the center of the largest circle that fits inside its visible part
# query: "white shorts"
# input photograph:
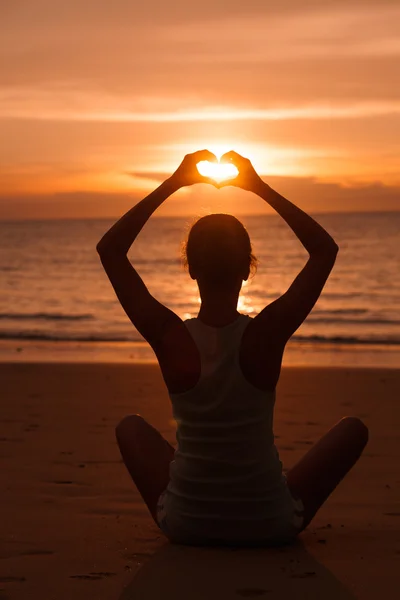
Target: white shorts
(295, 526)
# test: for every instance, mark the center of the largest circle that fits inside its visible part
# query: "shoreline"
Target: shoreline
(296, 353)
(151, 365)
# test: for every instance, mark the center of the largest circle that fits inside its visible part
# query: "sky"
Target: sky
(100, 101)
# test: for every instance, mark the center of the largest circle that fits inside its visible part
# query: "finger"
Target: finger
(234, 181)
(232, 156)
(203, 179)
(204, 155)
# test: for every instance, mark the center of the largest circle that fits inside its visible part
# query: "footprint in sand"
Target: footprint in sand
(12, 579)
(252, 592)
(102, 462)
(32, 427)
(138, 556)
(93, 575)
(36, 553)
(65, 482)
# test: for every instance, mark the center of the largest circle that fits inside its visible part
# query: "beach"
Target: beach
(170, 168)
(74, 525)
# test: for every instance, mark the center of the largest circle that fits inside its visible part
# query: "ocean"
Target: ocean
(56, 302)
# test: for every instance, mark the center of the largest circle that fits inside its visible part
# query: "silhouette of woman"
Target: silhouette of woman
(224, 484)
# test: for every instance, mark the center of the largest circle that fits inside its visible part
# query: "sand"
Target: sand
(74, 526)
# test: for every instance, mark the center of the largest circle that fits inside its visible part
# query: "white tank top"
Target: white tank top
(226, 469)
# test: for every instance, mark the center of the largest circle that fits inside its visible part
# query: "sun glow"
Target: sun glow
(217, 171)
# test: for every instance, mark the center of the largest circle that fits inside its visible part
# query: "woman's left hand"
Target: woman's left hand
(187, 173)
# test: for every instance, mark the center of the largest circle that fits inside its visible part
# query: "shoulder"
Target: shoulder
(178, 357)
(260, 356)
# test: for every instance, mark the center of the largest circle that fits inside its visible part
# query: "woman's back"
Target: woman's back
(226, 479)
(224, 482)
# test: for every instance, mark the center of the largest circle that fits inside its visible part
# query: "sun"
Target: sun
(217, 171)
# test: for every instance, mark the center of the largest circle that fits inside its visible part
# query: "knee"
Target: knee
(357, 426)
(127, 427)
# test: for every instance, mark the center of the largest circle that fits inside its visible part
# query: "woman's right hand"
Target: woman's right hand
(187, 172)
(247, 179)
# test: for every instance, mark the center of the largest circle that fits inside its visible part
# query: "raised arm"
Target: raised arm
(148, 315)
(283, 317)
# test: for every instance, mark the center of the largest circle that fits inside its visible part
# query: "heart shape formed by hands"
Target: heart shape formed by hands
(217, 171)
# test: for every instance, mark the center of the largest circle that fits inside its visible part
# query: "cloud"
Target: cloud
(62, 104)
(308, 193)
(131, 49)
(93, 89)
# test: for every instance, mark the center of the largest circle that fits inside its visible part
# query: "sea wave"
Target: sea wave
(369, 321)
(315, 339)
(41, 316)
(322, 317)
(349, 340)
(56, 337)
(8, 269)
(342, 311)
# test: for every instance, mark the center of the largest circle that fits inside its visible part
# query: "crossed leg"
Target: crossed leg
(147, 456)
(318, 473)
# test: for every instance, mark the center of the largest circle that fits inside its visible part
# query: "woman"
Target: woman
(224, 483)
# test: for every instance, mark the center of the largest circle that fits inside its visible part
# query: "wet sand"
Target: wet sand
(74, 526)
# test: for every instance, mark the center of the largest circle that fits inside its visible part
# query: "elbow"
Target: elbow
(105, 247)
(335, 248)
(329, 248)
(105, 251)
(332, 252)
(100, 247)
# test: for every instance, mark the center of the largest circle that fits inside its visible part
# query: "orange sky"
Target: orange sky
(99, 101)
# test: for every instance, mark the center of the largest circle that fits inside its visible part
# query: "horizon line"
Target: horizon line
(190, 215)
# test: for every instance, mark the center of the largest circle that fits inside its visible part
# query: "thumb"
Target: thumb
(203, 179)
(227, 182)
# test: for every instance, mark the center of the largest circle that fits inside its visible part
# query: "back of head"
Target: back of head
(218, 250)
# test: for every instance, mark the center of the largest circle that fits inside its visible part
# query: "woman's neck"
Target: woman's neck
(218, 309)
